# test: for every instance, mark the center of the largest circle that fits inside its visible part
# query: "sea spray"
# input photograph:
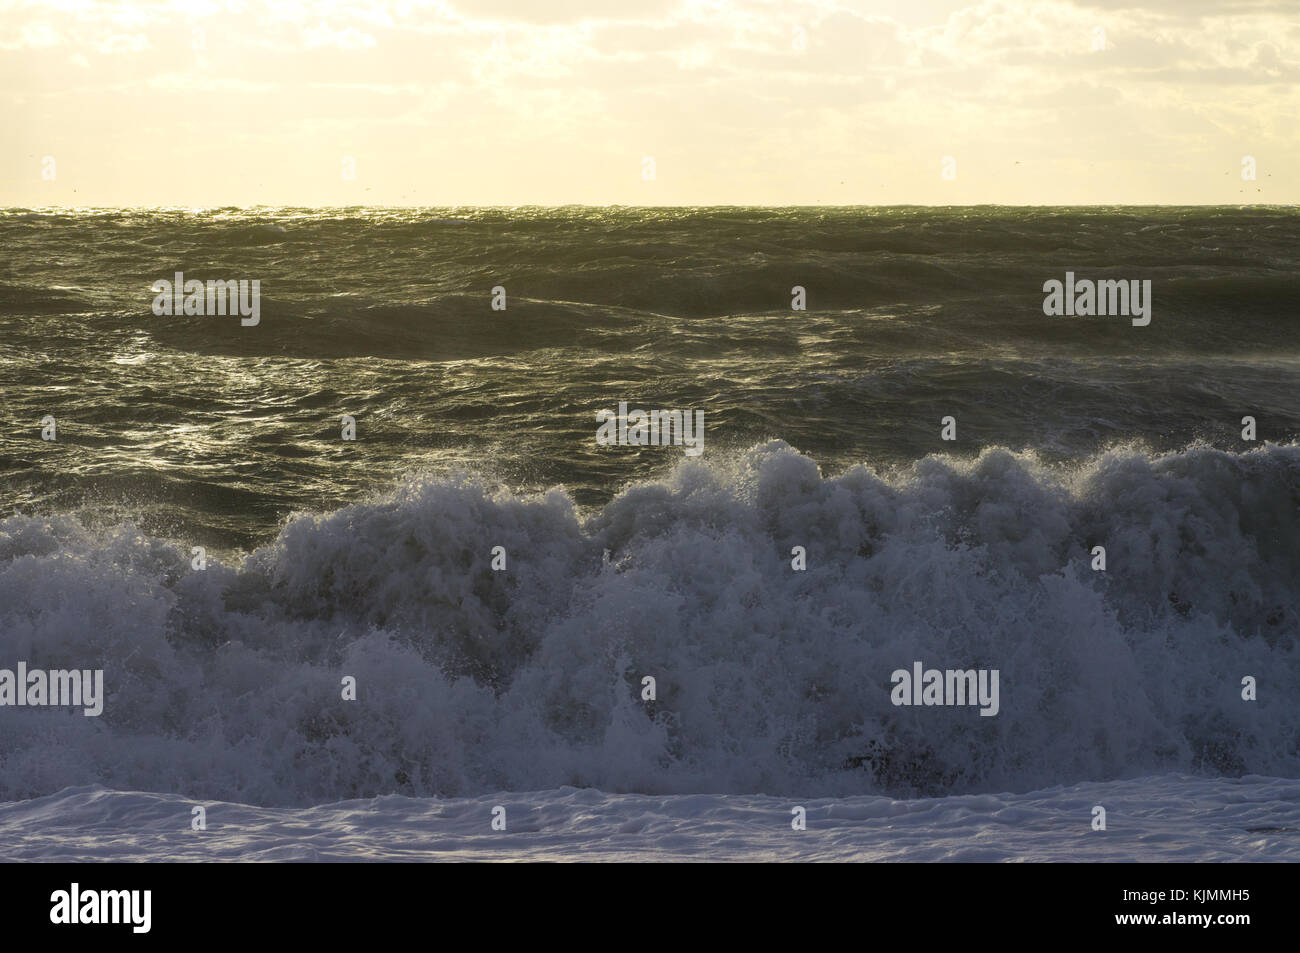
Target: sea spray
(226, 682)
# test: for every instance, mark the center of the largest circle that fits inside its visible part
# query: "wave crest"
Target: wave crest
(226, 683)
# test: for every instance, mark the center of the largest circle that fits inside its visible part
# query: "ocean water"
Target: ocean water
(476, 428)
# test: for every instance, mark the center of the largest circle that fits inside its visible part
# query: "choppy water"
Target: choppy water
(476, 428)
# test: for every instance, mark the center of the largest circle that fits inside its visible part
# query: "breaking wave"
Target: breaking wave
(225, 683)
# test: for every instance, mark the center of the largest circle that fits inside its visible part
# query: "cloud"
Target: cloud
(562, 11)
(731, 96)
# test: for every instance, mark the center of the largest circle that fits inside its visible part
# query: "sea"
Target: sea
(359, 573)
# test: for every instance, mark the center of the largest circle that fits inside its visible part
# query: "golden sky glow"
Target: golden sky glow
(773, 102)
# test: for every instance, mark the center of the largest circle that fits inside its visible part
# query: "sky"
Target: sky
(648, 102)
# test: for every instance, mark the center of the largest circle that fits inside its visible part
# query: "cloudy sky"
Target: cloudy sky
(648, 102)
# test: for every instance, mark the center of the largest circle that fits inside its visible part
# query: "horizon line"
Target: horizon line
(616, 205)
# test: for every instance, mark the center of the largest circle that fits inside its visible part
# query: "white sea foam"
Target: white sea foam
(1154, 819)
(225, 684)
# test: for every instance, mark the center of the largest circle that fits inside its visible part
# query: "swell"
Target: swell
(418, 282)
